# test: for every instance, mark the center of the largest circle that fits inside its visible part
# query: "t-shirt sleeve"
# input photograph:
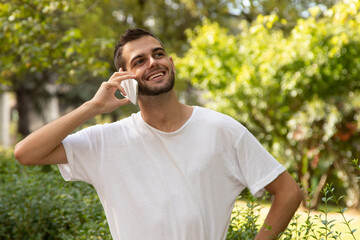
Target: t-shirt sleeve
(80, 149)
(256, 167)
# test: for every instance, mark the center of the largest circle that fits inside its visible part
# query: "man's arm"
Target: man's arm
(287, 198)
(44, 146)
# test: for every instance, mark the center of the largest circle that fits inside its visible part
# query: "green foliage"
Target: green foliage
(41, 45)
(299, 93)
(39, 36)
(36, 203)
(355, 162)
(244, 220)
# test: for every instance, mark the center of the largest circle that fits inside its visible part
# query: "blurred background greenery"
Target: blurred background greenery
(288, 70)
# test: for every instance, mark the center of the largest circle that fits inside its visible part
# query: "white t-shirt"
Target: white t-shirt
(180, 185)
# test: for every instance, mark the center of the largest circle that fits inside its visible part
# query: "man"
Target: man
(170, 171)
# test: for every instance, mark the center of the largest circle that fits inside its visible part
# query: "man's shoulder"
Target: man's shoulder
(209, 118)
(226, 129)
(209, 115)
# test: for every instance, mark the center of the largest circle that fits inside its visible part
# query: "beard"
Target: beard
(146, 90)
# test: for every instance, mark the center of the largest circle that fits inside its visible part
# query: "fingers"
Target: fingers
(124, 101)
(105, 98)
(121, 75)
(117, 77)
(115, 85)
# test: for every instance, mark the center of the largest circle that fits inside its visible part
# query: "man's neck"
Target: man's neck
(164, 112)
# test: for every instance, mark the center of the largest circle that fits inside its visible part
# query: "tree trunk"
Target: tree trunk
(37, 103)
(311, 194)
(317, 194)
(23, 98)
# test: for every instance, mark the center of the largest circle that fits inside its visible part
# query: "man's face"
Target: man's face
(154, 70)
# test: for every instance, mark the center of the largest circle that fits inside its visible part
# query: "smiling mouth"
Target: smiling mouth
(156, 75)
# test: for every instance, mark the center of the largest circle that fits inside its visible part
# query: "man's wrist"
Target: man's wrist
(91, 109)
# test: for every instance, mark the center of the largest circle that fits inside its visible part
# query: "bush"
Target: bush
(244, 222)
(36, 203)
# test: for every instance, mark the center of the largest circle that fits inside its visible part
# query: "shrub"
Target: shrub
(244, 222)
(36, 203)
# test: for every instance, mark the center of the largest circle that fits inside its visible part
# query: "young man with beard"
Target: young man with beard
(170, 171)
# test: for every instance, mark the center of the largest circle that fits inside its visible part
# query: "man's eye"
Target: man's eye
(159, 54)
(138, 62)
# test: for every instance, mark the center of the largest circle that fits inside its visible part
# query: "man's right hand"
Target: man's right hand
(105, 100)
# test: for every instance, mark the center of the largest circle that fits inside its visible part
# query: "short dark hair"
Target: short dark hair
(129, 35)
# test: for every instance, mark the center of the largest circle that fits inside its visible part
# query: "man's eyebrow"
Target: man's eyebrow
(136, 57)
(157, 49)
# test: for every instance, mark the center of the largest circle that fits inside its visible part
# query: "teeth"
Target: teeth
(156, 75)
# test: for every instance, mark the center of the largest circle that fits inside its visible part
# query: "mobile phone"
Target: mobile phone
(131, 88)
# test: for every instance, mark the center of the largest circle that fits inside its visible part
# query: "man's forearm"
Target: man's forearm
(35, 147)
(278, 218)
(287, 198)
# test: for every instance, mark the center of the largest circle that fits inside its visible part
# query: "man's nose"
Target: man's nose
(152, 62)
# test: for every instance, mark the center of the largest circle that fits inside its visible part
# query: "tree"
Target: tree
(40, 46)
(298, 93)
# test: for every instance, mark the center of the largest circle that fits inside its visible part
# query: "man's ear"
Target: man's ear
(172, 63)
